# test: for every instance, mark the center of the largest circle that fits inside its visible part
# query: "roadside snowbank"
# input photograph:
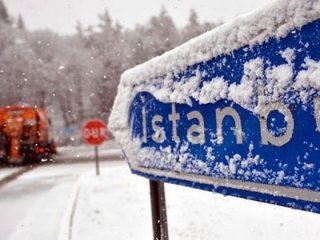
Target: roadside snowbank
(8, 171)
(86, 152)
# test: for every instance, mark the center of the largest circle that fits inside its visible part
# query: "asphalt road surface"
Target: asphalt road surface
(32, 206)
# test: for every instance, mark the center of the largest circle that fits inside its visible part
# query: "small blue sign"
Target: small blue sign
(230, 114)
(69, 130)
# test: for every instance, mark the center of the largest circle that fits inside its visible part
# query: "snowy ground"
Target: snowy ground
(116, 205)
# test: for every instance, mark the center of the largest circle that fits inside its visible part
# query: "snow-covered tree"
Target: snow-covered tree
(194, 27)
(20, 23)
(77, 76)
(4, 16)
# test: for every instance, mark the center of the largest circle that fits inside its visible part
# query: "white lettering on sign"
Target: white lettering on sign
(103, 132)
(159, 136)
(220, 115)
(174, 117)
(316, 103)
(144, 121)
(196, 132)
(94, 132)
(266, 136)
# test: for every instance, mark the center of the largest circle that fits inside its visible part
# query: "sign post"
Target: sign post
(97, 159)
(94, 132)
(159, 210)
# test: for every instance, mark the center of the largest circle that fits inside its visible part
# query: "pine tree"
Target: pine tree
(108, 46)
(4, 16)
(193, 27)
(20, 24)
(161, 34)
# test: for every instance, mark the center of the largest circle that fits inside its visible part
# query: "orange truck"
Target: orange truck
(24, 135)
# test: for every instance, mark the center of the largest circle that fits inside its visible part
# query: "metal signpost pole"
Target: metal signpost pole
(97, 159)
(159, 211)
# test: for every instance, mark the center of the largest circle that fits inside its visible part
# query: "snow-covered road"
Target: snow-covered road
(33, 206)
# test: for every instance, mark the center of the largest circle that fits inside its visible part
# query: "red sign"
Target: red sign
(94, 132)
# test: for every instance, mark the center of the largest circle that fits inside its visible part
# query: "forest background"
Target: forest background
(76, 76)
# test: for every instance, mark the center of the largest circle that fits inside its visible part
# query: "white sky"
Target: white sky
(61, 15)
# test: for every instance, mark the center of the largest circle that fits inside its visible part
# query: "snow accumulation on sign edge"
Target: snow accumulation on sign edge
(235, 110)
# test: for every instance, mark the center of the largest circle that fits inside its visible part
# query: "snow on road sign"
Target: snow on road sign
(236, 110)
(94, 132)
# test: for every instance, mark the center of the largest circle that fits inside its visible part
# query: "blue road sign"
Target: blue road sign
(249, 127)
